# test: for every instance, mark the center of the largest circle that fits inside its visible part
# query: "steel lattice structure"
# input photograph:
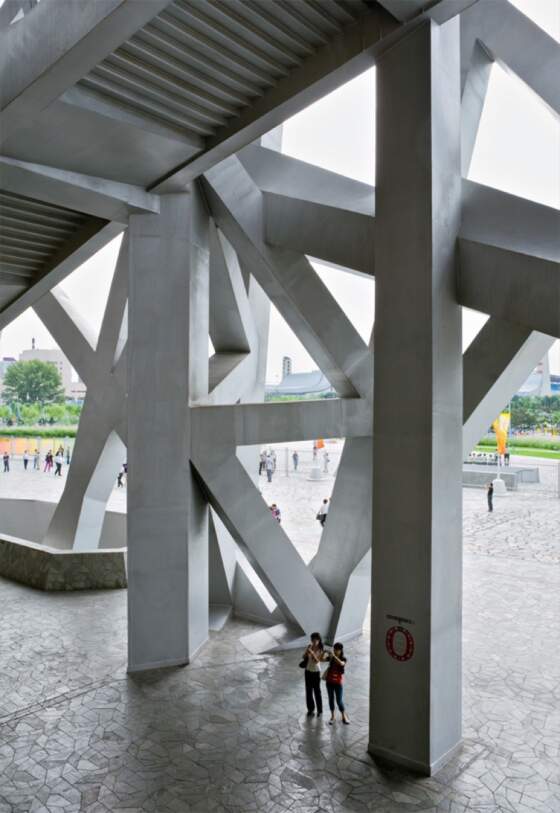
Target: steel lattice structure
(151, 118)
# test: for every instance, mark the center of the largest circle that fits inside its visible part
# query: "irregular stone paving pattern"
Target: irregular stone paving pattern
(229, 734)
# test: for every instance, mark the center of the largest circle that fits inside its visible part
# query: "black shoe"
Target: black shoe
(310, 713)
(319, 713)
(346, 722)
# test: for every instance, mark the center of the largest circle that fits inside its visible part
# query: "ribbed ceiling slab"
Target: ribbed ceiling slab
(201, 62)
(31, 234)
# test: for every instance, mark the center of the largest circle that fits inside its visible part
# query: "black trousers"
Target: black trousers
(490, 505)
(313, 691)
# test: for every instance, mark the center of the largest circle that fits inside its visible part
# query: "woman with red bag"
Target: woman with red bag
(334, 678)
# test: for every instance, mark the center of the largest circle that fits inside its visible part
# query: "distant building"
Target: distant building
(286, 367)
(55, 357)
(78, 391)
(539, 382)
(4, 364)
(313, 383)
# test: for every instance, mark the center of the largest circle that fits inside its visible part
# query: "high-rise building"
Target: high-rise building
(286, 367)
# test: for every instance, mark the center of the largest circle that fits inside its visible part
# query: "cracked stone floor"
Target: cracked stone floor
(229, 734)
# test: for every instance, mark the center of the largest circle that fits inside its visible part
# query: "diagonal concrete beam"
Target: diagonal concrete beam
(242, 510)
(231, 321)
(510, 36)
(515, 287)
(59, 44)
(98, 197)
(472, 102)
(312, 210)
(250, 424)
(332, 235)
(506, 221)
(283, 175)
(344, 543)
(289, 281)
(495, 365)
(113, 332)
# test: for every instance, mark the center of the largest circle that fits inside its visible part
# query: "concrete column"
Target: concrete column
(167, 364)
(416, 596)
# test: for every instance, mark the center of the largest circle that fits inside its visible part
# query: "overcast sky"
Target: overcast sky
(518, 151)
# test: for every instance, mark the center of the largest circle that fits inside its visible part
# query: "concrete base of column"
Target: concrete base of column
(425, 769)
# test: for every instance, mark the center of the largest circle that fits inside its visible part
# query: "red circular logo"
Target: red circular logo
(399, 643)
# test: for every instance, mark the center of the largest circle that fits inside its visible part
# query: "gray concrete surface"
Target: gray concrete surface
(228, 734)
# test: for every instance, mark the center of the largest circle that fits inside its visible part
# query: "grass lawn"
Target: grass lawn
(548, 454)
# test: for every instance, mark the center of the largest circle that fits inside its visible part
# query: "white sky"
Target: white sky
(518, 150)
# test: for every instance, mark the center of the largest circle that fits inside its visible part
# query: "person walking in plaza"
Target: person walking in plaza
(323, 511)
(275, 511)
(262, 463)
(334, 678)
(120, 476)
(490, 495)
(48, 462)
(269, 466)
(295, 459)
(36, 460)
(6, 460)
(326, 461)
(25, 459)
(58, 461)
(312, 657)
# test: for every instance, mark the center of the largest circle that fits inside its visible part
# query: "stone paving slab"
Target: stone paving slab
(229, 733)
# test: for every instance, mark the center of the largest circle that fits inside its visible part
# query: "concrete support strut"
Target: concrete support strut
(416, 595)
(167, 516)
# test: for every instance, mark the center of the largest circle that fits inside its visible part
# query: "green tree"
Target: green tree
(32, 382)
(55, 412)
(5, 413)
(30, 413)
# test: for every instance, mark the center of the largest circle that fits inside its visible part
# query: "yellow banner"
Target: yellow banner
(501, 428)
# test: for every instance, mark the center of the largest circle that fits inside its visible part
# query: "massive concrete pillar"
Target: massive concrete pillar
(167, 367)
(416, 598)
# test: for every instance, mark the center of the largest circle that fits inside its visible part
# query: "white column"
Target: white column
(416, 594)
(167, 364)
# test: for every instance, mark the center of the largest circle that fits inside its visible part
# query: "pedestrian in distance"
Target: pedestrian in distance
(506, 458)
(269, 466)
(68, 455)
(326, 461)
(334, 678)
(490, 495)
(48, 462)
(58, 461)
(275, 511)
(119, 479)
(262, 463)
(6, 461)
(312, 657)
(36, 460)
(25, 459)
(323, 511)
(295, 459)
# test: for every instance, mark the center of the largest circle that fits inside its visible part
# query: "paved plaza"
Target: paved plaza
(229, 733)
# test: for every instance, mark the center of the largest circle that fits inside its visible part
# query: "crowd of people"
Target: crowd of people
(51, 460)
